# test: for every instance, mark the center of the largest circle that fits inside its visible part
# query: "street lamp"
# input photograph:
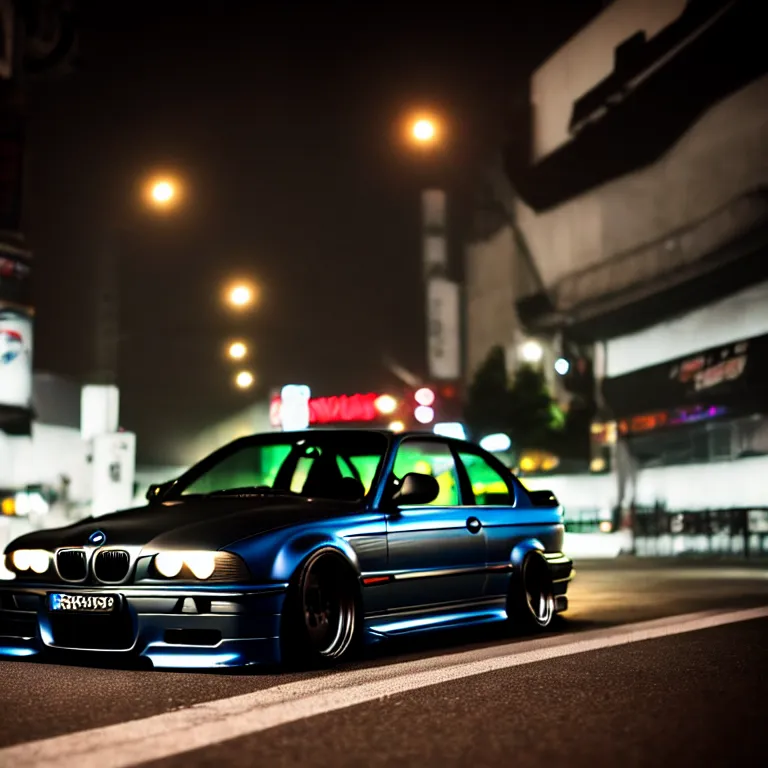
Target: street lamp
(244, 380)
(237, 350)
(424, 130)
(162, 193)
(426, 136)
(240, 295)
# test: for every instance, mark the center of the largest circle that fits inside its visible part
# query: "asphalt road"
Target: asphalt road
(657, 663)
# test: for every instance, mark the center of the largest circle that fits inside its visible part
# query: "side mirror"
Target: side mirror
(156, 490)
(543, 499)
(416, 489)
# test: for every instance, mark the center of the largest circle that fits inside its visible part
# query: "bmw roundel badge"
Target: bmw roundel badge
(97, 538)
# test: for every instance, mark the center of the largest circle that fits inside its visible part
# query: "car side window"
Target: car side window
(489, 486)
(430, 458)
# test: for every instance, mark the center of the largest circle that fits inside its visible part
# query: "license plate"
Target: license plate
(83, 603)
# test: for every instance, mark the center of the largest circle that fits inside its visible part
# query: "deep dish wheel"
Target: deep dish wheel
(531, 599)
(321, 615)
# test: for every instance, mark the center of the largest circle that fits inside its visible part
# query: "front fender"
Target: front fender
(295, 550)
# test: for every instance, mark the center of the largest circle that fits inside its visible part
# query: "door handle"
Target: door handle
(474, 525)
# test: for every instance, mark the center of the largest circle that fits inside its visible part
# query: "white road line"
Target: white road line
(202, 725)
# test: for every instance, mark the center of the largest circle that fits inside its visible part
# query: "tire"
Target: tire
(321, 617)
(531, 601)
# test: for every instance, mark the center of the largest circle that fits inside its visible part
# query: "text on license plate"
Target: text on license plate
(93, 603)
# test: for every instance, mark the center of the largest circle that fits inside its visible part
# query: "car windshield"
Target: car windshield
(330, 465)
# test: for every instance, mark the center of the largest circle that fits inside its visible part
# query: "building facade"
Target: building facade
(633, 242)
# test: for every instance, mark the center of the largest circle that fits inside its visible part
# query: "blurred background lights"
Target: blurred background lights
(562, 366)
(424, 396)
(424, 414)
(397, 426)
(496, 443)
(237, 350)
(295, 406)
(386, 404)
(452, 429)
(531, 351)
(240, 295)
(162, 192)
(244, 379)
(424, 130)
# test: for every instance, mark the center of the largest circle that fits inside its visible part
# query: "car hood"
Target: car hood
(195, 523)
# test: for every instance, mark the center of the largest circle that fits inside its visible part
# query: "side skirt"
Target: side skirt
(444, 616)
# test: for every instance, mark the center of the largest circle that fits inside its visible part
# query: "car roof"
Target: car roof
(369, 430)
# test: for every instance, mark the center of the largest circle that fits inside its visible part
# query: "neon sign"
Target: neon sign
(338, 409)
(343, 408)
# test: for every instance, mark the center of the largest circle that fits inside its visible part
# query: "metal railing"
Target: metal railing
(736, 531)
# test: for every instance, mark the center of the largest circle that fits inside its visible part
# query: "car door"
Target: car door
(494, 497)
(435, 550)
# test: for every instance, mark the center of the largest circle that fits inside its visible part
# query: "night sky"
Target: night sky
(283, 119)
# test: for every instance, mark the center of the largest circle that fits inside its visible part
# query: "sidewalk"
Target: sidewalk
(629, 562)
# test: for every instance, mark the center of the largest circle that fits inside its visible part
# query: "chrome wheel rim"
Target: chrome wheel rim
(538, 596)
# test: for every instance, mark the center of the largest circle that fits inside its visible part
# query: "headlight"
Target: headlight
(37, 560)
(201, 566)
(169, 564)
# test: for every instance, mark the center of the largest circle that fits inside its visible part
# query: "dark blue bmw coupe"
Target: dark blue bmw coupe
(293, 547)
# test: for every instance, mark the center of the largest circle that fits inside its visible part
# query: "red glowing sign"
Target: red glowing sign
(343, 408)
(275, 411)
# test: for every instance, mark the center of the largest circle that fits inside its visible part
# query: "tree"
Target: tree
(523, 410)
(487, 406)
(534, 417)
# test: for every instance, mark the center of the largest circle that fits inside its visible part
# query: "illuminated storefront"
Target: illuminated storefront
(703, 407)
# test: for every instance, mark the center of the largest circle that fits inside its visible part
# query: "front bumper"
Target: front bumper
(173, 627)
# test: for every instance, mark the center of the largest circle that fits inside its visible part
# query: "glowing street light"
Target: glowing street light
(240, 295)
(162, 193)
(244, 380)
(237, 350)
(424, 131)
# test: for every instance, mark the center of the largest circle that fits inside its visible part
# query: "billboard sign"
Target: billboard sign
(294, 410)
(15, 359)
(443, 329)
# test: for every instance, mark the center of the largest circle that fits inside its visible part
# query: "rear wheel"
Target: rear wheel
(531, 601)
(321, 614)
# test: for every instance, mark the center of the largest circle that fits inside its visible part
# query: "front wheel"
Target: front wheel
(531, 601)
(321, 615)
